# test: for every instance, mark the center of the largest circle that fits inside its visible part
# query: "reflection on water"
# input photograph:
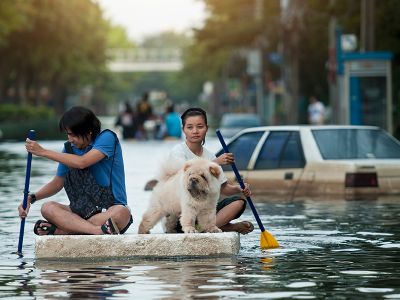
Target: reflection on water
(143, 279)
(330, 248)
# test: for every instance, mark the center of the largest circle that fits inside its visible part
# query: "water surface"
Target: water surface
(330, 248)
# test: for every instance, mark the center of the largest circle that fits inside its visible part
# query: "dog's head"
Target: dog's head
(201, 178)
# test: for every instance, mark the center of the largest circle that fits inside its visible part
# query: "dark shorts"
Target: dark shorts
(123, 230)
(226, 201)
(220, 205)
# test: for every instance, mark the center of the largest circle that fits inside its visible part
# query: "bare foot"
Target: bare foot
(243, 227)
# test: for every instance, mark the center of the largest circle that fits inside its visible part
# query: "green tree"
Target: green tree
(235, 24)
(118, 38)
(219, 48)
(61, 46)
(11, 17)
(166, 39)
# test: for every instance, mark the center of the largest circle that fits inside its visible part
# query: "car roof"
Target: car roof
(311, 127)
(238, 114)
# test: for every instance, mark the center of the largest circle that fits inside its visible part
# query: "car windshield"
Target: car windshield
(356, 144)
(240, 121)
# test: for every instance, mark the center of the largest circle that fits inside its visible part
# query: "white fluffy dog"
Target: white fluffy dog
(189, 193)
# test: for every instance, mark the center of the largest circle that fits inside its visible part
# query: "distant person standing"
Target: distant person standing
(126, 119)
(316, 111)
(173, 123)
(144, 111)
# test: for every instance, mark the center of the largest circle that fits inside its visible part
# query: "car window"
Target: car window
(356, 144)
(281, 150)
(292, 155)
(243, 148)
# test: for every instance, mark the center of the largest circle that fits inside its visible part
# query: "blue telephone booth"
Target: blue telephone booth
(365, 85)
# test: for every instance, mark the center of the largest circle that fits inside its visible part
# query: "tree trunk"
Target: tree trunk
(59, 98)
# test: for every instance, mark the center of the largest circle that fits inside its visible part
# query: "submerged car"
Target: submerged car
(232, 123)
(293, 161)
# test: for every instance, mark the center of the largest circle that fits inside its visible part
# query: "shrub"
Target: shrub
(17, 120)
(13, 112)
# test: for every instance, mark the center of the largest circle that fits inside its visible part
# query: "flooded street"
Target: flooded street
(330, 248)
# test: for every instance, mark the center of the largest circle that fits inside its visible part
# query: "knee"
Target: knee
(126, 213)
(238, 205)
(48, 209)
(120, 213)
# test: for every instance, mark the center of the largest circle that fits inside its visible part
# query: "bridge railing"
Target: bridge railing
(145, 54)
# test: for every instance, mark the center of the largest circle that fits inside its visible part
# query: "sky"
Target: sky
(147, 17)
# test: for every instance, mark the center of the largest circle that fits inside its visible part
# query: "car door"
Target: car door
(277, 165)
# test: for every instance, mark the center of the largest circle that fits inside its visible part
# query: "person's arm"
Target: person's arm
(70, 160)
(224, 159)
(51, 188)
(230, 189)
(48, 190)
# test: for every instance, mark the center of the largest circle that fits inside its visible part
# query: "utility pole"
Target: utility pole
(258, 78)
(332, 66)
(292, 14)
(367, 25)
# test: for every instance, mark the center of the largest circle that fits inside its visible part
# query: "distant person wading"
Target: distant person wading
(316, 111)
(126, 119)
(144, 112)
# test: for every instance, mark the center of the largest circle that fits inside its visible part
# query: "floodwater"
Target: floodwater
(330, 248)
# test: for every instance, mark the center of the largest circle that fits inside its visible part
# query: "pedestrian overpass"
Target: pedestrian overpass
(145, 60)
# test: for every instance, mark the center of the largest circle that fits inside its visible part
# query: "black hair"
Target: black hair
(128, 107)
(170, 108)
(194, 111)
(81, 122)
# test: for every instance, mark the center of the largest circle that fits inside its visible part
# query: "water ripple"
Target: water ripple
(330, 249)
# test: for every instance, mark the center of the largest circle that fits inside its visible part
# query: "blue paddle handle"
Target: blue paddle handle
(239, 179)
(31, 136)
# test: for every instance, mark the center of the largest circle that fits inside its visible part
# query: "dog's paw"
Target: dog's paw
(214, 229)
(189, 229)
(143, 229)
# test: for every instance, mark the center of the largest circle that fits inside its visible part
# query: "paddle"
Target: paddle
(31, 136)
(267, 240)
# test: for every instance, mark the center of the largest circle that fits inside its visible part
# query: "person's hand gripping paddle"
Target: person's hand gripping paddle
(267, 240)
(31, 136)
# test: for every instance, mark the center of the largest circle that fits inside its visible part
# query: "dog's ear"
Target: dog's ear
(215, 170)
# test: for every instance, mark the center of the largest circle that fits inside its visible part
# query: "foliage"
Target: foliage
(17, 120)
(46, 129)
(118, 38)
(219, 48)
(18, 113)
(62, 45)
(57, 47)
(166, 39)
(233, 25)
(11, 17)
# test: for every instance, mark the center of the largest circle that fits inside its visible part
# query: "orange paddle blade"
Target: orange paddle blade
(268, 241)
